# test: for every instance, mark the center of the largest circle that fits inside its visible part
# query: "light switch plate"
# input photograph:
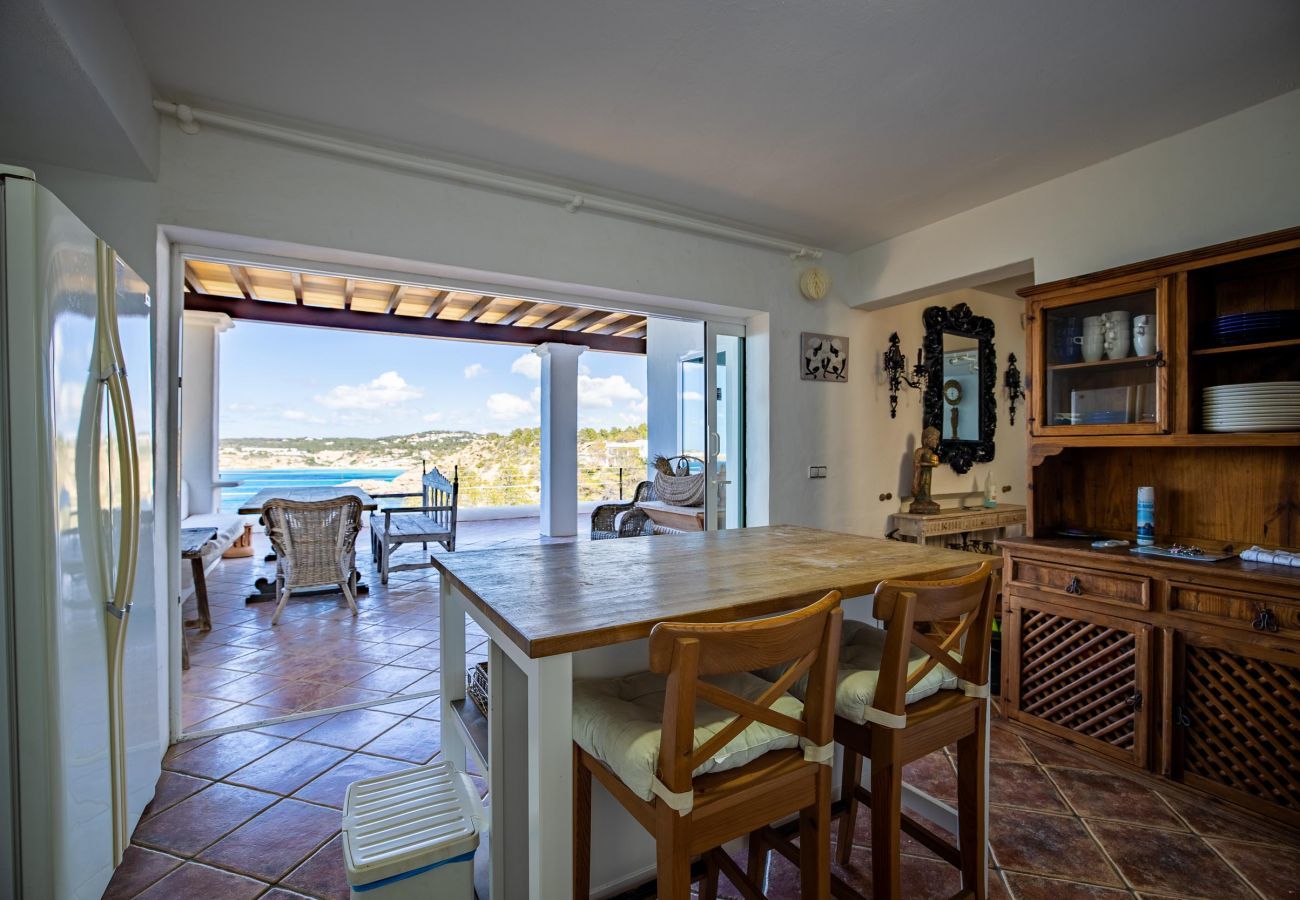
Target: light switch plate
(816, 471)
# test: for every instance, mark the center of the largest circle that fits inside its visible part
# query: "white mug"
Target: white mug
(1117, 344)
(1144, 335)
(1094, 324)
(1093, 345)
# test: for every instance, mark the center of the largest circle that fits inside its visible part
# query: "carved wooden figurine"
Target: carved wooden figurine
(924, 461)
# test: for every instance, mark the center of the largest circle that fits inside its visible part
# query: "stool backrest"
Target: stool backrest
(808, 638)
(900, 605)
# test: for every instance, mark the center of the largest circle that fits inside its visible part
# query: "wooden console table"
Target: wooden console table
(931, 528)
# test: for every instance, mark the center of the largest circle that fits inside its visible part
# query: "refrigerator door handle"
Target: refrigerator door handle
(113, 374)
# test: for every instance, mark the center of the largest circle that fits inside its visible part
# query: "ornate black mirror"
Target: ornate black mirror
(961, 379)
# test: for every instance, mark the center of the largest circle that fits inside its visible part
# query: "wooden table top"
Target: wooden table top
(305, 494)
(193, 540)
(560, 598)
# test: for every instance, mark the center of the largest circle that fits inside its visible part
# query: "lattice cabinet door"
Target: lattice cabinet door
(1081, 675)
(1236, 721)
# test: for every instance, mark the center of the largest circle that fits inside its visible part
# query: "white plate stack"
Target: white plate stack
(1262, 406)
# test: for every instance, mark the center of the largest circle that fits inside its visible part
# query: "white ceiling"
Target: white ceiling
(840, 122)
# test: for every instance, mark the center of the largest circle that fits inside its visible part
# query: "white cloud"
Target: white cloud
(640, 407)
(509, 407)
(433, 417)
(604, 392)
(297, 415)
(388, 390)
(692, 395)
(474, 371)
(536, 396)
(529, 365)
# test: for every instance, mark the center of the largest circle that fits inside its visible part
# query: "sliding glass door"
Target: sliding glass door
(724, 407)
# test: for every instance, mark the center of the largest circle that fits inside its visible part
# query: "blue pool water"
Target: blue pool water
(254, 480)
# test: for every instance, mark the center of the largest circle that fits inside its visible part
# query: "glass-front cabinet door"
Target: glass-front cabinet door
(1099, 361)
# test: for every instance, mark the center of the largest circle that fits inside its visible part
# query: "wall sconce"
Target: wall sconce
(1011, 381)
(896, 369)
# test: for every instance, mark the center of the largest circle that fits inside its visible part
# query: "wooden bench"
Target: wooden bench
(433, 522)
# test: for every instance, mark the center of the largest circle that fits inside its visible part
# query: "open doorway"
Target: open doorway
(296, 378)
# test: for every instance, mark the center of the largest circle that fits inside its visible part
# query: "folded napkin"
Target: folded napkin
(1276, 557)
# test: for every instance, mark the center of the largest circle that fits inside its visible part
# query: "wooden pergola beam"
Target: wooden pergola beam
(555, 315)
(478, 309)
(520, 311)
(379, 323)
(589, 319)
(395, 297)
(349, 287)
(240, 277)
(438, 305)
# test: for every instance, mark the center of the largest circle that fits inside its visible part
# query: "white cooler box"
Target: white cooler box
(412, 834)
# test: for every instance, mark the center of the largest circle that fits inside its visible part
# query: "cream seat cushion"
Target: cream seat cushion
(861, 648)
(618, 721)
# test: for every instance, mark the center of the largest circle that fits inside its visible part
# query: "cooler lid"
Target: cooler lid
(406, 821)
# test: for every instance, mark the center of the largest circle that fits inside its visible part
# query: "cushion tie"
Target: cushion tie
(818, 753)
(681, 801)
(979, 691)
(884, 719)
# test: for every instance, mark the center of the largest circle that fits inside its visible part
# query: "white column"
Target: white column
(200, 405)
(559, 438)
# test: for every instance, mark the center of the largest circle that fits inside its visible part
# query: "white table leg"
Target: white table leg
(451, 630)
(550, 778)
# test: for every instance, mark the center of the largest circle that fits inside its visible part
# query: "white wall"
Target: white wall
(1231, 178)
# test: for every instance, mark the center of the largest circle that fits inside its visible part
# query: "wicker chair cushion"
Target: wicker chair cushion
(862, 646)
(618, 721)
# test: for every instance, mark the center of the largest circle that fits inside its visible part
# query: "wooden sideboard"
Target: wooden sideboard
(1190, 670)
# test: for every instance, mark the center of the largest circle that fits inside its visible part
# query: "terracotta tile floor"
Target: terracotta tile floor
(255, 812)
(244, 671)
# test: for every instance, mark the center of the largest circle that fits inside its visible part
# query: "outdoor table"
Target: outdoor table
(554, 612)
(193, 540)
(265, 587)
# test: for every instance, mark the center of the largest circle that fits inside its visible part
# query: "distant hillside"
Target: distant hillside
(495, 469)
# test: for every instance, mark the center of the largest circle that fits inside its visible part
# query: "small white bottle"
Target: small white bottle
(990, 492)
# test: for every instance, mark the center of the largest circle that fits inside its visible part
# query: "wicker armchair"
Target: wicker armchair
(606, 522)
(315, 544)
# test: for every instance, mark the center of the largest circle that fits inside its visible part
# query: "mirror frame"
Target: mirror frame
(960, 320)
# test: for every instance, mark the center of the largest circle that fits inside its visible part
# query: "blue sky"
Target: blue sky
(283, 381)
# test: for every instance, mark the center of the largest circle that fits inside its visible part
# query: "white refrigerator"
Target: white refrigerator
(83, 667)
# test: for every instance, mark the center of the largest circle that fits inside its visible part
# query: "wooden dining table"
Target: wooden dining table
(556, 612)
(264, 588)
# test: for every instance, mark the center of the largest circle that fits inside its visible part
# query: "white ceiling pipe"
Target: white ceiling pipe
(189, 119)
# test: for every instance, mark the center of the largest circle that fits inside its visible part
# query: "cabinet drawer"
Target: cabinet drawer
(1088, 584)
(1259, 612)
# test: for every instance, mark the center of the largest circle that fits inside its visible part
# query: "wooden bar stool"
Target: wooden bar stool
(700, 751)
(902, 695)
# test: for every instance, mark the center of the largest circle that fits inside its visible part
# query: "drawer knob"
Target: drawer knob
(1074, 587)
(1265, 620)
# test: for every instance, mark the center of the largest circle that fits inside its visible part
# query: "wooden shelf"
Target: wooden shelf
(1134, 361)
(1248, 348)
(474, 729)
(1041, 447)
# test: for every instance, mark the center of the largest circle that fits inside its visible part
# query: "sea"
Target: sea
(254, 480)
